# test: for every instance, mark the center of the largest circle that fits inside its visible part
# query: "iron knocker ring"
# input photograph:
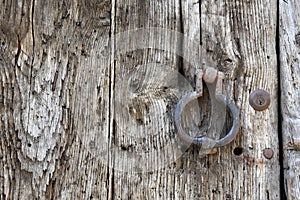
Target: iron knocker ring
(209, 77)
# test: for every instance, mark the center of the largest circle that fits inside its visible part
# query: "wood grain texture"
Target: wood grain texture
(250, 55)
(238, 38)
(49, 86)
(289, 30)
(62, 135)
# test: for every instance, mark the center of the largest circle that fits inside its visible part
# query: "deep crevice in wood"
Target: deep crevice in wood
(200, 17)
(112, 125)
(280, 132)
(180, 63)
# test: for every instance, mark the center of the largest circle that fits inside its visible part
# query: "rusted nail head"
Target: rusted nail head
(268, 153)
(259, 99)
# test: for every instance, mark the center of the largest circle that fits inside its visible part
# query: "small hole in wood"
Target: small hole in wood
(238, 151)
(123, 148)
(228, 60)
(29, 145)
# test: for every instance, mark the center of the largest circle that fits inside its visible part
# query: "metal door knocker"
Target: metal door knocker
(209, 76)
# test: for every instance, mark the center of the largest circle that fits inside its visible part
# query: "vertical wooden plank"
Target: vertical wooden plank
(289, 40)
(238, 38)
(15, 33)
(54, 96)
(150, 105)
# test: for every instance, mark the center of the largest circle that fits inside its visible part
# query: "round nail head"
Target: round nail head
(259, 99)
(268, 153)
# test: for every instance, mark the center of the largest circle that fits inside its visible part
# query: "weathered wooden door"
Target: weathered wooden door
(89, 88)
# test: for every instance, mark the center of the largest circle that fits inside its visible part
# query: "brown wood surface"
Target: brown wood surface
(64, 131)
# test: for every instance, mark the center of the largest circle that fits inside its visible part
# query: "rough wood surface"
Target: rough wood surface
(289, 30)
(64, 132)
(50, 69)
(238, 38)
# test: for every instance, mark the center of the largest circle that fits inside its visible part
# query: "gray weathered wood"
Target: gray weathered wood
(289, 30)
(238, 38)
(64, 137)
(46, 98)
